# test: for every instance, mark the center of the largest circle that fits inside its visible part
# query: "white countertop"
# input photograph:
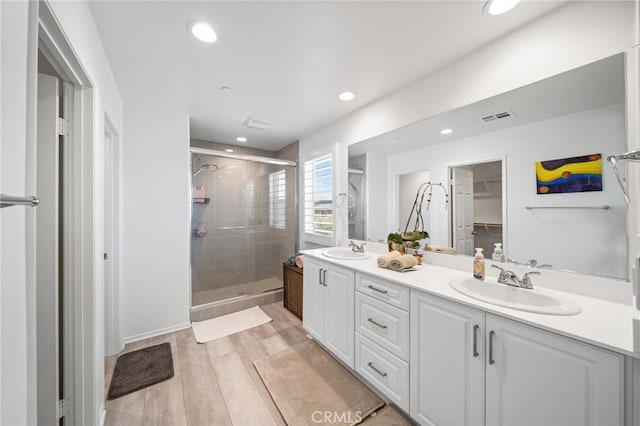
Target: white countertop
(602, 323)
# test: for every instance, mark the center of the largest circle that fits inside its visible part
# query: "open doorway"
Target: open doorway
(477, 213)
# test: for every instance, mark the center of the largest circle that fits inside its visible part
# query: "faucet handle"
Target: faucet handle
(497, 267)
(512, 261)
(526, 281)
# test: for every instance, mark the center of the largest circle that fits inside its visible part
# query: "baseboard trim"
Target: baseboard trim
(154, 333)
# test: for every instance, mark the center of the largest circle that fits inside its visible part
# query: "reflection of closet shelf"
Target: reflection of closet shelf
(201, 200)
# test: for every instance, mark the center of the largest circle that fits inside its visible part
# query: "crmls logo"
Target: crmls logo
(332, 417)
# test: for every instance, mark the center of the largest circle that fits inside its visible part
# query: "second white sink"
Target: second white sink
(345, 254)
(535, 300)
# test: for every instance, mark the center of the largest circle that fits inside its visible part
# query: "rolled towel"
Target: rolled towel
(300, 261)
(403, 262)
(384, 260)
(441, 249)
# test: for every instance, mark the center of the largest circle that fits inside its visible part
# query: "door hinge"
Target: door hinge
(63, 127)
(105, 256)
(64, 407)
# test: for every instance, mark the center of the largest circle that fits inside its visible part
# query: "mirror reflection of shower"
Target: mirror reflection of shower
(356, 197)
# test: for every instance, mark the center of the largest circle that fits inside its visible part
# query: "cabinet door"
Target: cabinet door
(447, 362)
(313, 293)
(539, 378)
(339, 311)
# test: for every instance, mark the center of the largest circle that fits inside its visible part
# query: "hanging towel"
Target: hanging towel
(403, 262)
(384, 260)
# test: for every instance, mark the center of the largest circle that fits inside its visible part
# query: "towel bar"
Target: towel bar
(605, 207)
(10, 200)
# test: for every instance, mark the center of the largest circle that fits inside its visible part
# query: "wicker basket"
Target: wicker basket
(292, 281)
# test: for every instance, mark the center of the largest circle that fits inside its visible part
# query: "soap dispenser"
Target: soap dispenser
(498, 254)
(478, 265)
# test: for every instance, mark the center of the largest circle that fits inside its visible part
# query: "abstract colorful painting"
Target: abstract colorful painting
(575, 174)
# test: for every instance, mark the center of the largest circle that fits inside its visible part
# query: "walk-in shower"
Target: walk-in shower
(243, 226)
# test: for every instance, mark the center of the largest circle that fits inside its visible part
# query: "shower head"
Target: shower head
(206, 166)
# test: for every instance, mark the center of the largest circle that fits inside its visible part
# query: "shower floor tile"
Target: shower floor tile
(238, 290)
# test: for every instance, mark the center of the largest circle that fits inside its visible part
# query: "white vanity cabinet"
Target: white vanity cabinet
(328, 300)
(472, 368)
(382, 336)
(447, 362)
(535, 377)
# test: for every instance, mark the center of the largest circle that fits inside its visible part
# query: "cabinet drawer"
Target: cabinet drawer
(384, 324)
(392, 293)
(388, 373)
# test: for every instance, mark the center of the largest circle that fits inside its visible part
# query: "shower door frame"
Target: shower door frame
(247, 157)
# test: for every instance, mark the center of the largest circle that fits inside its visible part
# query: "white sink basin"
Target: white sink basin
(535, 300)
(345, 254)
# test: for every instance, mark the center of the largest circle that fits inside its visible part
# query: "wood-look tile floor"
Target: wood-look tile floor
(214, 383)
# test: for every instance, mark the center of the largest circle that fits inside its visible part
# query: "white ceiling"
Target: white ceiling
(592, 86)
(286, 61)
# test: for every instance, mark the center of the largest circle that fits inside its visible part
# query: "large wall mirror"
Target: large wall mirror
(534, 162)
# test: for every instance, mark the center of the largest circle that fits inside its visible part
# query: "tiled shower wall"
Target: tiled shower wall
(239, 198)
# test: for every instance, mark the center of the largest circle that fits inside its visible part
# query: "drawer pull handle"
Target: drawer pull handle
(491, 360)
(377, 289)
(370, 364)
(377, 323)
(475, 340)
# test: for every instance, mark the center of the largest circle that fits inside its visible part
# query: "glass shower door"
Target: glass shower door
(244, 226)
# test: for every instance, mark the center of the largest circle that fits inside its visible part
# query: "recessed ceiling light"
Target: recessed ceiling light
(228, 150)
(202, 31)
(225, 89)
(498, 7)
(241, 139)
(446, 131)
(346, 96)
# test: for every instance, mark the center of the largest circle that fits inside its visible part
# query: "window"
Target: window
(318, 196)
(277, 199)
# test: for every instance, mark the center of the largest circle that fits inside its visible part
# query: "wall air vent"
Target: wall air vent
(254, 123)
(497, 116)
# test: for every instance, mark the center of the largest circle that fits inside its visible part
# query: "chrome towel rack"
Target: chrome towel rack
(11, 200)
(604, 207)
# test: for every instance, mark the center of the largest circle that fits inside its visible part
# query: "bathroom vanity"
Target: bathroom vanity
(447, 358)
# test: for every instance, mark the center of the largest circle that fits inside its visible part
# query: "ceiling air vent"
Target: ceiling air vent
(254, 123)
(497, 116)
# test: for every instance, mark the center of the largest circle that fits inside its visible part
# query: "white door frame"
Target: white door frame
(113, 151)
(505, 217)
(80, 236)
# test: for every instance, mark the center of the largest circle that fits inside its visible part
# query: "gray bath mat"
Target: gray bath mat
(139, 369)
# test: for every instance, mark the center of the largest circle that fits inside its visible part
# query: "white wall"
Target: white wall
(589, 241)
(155, 291)
(571, 36)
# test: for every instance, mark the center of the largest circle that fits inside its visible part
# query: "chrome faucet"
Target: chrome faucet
(356, 248)
(510, 278)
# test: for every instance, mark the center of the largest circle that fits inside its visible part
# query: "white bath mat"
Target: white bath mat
(225, 325)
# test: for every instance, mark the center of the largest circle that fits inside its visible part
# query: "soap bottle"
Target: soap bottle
(478, 265)
(498, 254)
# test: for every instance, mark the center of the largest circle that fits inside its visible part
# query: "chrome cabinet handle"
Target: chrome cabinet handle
(324, 277)
(370, 364)
(377, 289)
(491, 360)
(320, 276)
(376, 323)
(475, 340)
